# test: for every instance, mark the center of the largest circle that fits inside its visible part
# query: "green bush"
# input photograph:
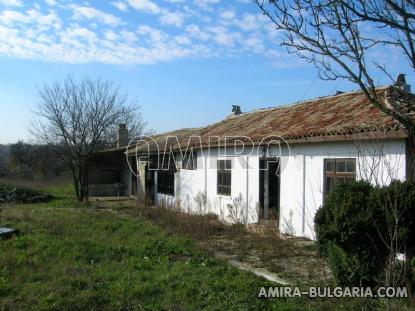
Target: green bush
(354, 226)
(347, 229)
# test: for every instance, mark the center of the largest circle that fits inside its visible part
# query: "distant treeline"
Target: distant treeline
(30, 161)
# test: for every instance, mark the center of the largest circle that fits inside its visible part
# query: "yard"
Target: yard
(68, 256)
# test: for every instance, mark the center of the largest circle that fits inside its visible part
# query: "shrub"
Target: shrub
(347, 228)
(338, 261)
(355, 230)
(10, 194)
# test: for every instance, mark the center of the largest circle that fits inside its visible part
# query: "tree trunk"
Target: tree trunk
(80, 179)
(75, 182)
(83, 180)
(81, 183)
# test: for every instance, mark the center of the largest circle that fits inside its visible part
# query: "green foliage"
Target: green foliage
(353, 229)
(350, 221)
(338, 261)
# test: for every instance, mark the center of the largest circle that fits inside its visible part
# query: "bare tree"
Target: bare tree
(78, 117)
(339, 36)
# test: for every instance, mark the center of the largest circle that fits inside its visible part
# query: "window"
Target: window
(338, 171)
(165, 177)
(224, 177)
(190, 161)
(165, 182)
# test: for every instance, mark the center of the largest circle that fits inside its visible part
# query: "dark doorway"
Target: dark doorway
(269, 188)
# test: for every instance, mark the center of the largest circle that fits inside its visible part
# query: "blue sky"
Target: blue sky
(184, 61)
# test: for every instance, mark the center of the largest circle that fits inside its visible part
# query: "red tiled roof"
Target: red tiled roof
(346, 114)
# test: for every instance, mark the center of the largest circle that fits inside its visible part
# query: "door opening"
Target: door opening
(269, 188)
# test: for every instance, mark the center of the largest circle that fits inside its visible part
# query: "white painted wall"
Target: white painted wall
(302, 175)
(301, 183)
(192, 185)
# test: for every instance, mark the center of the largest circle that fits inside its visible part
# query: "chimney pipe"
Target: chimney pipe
(122, 135)
(401, 84)
(236, 110)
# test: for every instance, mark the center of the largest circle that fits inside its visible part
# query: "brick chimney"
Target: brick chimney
(122, 135)
(401, 83)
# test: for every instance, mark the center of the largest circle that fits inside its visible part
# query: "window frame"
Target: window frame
(336, 175)
(224, 177)
(166, 178)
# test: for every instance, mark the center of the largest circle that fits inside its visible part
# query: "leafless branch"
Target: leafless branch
(79, 118)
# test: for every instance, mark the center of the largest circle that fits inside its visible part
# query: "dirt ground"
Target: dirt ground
(292, 259)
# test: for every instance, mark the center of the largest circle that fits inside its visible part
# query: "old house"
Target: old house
(272, 165)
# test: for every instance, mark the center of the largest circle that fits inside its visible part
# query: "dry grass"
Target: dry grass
(293, 259)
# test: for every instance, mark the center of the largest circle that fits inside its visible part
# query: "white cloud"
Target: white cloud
(228, 14)
(206, 4)
(11, 2)
(51, 2)
(251, 22)
(182, 40)
(92, 13)
(253, 43)
(11, 17)
(224, 37)
(67, 32)
(122, 6)
(172, 18)
(6, 32)
(110, 35)
(195, 32)
(128, 36)
(155, 35)
(78, 44)
(144, 5)
(79, 32)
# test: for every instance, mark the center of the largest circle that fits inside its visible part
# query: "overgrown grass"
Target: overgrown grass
(81, 259)
(76, 258)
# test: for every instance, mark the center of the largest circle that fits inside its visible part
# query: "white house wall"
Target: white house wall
(242, 205)
(302, 175)
(301, 180)
(192, 185)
